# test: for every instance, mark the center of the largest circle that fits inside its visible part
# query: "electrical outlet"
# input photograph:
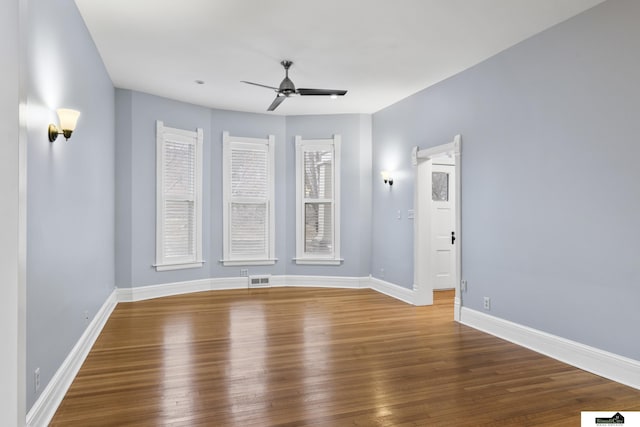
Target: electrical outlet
(382, 273)
(487, 303)
(463, 285)
(244, 272)
(36, 379)
(399, 214)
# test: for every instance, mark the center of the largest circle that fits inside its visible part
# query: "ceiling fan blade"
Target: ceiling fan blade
(276, 102)
(258, 84)
(321, 92)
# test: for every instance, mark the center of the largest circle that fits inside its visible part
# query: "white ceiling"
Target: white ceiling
(379, 50)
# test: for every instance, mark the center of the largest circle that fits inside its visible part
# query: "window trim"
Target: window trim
(303, 145)
(163, 134)
(230, 259)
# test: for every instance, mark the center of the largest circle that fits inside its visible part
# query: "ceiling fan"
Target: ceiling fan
(287, 89)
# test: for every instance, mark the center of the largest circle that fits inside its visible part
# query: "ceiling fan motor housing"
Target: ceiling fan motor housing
(287, 88)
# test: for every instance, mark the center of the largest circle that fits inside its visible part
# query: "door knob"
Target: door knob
(453, 237)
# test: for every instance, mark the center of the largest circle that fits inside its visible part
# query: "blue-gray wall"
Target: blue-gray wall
(355, 188)
(12, 173)
(253, 126)
(70, 196)
(550, 194)
(135, 182)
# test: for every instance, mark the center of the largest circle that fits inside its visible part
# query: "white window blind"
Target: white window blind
(317, 201)
(248, 217)
(249, 230)
(179, 195)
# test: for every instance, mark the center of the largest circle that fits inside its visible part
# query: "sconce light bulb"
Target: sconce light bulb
(386, 177)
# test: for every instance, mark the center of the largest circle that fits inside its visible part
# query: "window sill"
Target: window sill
(318, 261)
(167, 267)
(234, 263)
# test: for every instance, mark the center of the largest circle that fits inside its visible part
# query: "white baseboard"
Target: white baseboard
(177, 288)
(398, 292)
(140, 293)
(603, 363)
(456, 309)
(321, 281)
(45, 407)
(226, 283)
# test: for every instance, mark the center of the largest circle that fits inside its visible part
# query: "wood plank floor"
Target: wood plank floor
(319, 357)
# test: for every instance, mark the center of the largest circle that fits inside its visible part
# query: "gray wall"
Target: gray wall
(355, 182)
(70, 197)
(392, 238)
(550, 194)
(136, 175)
(123, 187)
(253, 126)
(135, 183)
(12, 351)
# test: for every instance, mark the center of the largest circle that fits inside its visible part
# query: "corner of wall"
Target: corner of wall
(123, 188)
(365, 194)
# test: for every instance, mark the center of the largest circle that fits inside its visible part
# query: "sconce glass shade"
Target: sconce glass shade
(68, 120)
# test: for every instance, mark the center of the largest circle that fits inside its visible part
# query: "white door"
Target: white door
(443, 225)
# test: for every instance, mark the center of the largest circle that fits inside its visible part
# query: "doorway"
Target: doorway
(437, 234)
(443, 227)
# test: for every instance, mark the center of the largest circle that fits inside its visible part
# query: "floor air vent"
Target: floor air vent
(259, 282)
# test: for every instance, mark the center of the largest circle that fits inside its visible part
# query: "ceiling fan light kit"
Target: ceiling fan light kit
(287, 89)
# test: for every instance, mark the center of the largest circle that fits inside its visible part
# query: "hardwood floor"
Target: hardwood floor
(319, 357)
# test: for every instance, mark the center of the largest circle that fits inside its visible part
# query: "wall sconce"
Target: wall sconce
(68, 119)
(386, 177)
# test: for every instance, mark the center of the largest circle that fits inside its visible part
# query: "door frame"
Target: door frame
(423, 282)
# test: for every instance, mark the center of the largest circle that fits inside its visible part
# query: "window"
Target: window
(248, 193)
(440, 186)
(317, 201)
(178, 198)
